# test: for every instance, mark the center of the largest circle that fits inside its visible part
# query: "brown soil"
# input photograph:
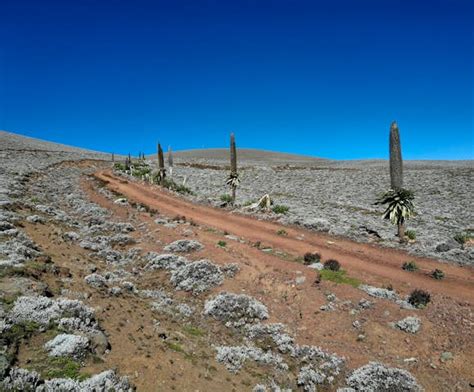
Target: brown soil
(185, 361)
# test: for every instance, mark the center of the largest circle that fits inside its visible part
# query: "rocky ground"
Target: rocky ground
(338, 196)
(98, 293)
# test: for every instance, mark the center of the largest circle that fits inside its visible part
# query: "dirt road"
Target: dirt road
(368, 262)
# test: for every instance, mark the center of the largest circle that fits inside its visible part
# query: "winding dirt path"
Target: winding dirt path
(370, 263)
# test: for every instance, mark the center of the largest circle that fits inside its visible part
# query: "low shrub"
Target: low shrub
(332, 265)
(462, 238)
(437, 274)
(171, 185)
(221, 243)
(419, 298)
(282, 232)
(226, 198)
(411, 234)
(280, 209)
(410, 266)
(310, 258)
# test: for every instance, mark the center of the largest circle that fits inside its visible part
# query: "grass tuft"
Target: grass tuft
(339, 277)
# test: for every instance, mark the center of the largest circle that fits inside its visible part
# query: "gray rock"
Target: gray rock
(409, 324)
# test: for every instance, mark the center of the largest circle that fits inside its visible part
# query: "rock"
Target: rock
(121, 201)
(71, 236)
(316, 266)
(409, 324)
(67, 345)
(300, 280)
(375, 377)
(183, 246)
(98, 342)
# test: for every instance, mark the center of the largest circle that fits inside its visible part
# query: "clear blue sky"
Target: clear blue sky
(323, 78)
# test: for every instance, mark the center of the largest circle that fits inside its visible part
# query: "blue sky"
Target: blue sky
(322, 78)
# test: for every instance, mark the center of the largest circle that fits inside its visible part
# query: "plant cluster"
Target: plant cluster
(311, 258)
(419, 298)
(280, 209)
(410, 266)
(437, 274)
(332, 265)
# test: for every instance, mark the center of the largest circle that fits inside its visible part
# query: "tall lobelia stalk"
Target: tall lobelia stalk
(396, 162)
(399, 201)
(161, 165)
(233, 179)
(113, 158)
(170, 160)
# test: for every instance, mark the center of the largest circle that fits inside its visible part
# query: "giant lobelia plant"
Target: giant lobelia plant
(233, 180)
(399, 201)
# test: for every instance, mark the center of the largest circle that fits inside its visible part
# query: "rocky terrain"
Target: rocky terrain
(338, 196)
(99, 292)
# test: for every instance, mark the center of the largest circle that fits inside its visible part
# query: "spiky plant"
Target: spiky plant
(233, 180)
(399, 209)
(170, 161)
(399, 201)
(113, 158)
(161, 165)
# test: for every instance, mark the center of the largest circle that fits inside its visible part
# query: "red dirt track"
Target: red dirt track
(370, 263)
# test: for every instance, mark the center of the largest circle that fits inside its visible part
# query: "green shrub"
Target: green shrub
(221, 243)
(63, 367)
(410, 266)
(437, 274)
(120, 166)
(280, 209)
(282, 232)
(171, 185)
(332, 265)
(462, 238)
(310, 258)
(411, 234)
(226, 198)
(419, 298)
